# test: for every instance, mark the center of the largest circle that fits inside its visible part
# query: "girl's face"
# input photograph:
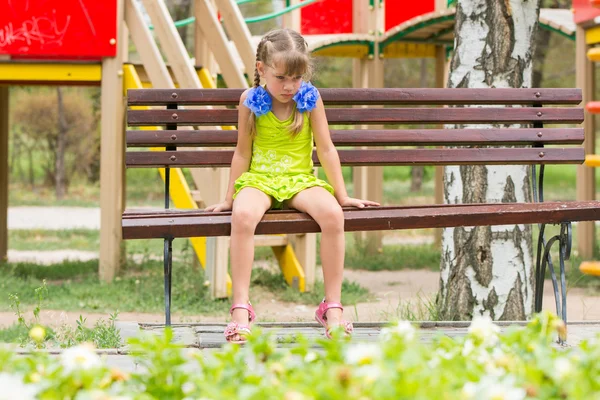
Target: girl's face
(281, 87)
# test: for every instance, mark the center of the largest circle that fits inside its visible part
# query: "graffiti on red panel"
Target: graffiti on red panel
(58, 28)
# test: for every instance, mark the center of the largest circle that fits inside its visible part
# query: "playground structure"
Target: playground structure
(587, 17)
(89, 47)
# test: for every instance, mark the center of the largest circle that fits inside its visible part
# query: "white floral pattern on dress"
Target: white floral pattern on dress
(271, 162)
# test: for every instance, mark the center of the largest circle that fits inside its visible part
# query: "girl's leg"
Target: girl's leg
(249, 207)
(327, 212)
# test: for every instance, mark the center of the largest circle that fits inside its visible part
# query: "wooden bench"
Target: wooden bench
(392, 106)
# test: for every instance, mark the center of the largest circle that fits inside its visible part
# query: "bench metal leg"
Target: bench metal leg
(564, 239)
(168, 260)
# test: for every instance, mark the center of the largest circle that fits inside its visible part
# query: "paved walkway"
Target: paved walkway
(53, 218)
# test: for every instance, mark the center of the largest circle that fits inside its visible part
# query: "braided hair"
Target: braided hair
(287, 48)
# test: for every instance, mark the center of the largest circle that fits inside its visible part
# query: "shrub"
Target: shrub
(484, 364)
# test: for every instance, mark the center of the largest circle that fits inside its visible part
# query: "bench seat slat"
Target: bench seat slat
(375, 218)
(520, 115)
(357, 137)
(348, 96)
(470, 156)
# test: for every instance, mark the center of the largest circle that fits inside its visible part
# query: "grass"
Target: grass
(423, 309)
(74, 286)
(352, 292)
(13, 333)
(389, 257)
(46, 240)
(32, 334)
(394, 258)
(139, 287)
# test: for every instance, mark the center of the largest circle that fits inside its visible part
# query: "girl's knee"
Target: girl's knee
(331, 219)
(244, 219)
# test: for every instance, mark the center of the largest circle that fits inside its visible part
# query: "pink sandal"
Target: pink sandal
(321, 318)
(234, 328)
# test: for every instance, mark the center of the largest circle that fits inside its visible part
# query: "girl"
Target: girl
(272, 168)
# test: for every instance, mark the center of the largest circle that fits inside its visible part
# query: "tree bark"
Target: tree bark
(61, 145)
(489, 270)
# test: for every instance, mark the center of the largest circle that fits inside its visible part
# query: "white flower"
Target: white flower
(483, 329)
(468, 391)
(98, 394)
(294, 396)
(362, 353)
(13, 388)
(444, 354)
(403, 329)
(369, 373)
(490, 388)
(468, 347)
(79, 357)
(505, 392)
(187, 387)
(310, 357)
(562, 368)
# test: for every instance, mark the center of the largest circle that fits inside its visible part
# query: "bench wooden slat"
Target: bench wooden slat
(376, 218)
(358, 137)
(375, 116)
(137, 213)
(471, 156)
(347, 96)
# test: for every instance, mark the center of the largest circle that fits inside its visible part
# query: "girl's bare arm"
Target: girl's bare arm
(242, 156)
(330, 159)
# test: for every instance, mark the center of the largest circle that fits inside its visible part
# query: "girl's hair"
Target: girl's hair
(288, 49)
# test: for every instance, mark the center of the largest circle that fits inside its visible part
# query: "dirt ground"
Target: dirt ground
(395, 292)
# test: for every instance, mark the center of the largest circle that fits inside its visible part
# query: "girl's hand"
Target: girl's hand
(224, 206)
(358, 203)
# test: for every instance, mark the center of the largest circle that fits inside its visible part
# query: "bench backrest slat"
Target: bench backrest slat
(388, 96)
(519, 115)
(471, 156)
(358, 137)
(417, 111)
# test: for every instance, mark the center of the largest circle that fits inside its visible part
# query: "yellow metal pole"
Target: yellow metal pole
(179, 191)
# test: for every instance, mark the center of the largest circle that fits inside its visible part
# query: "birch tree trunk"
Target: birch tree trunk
(489, 270)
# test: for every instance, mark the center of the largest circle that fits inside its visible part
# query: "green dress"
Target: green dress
(281, 163)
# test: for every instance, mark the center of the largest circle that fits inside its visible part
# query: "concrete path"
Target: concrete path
(53, 218)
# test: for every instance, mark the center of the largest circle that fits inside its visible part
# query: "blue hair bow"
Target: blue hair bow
(306, 97)
(258, 101)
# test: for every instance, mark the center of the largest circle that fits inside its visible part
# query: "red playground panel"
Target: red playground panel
(327, 16)
(68, 29)
(397, 12)
(584, 11)
(335, 16)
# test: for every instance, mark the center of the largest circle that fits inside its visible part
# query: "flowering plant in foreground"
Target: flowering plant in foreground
(519, 363)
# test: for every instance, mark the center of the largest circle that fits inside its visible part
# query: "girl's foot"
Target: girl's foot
(329, 315)
(242, 315)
